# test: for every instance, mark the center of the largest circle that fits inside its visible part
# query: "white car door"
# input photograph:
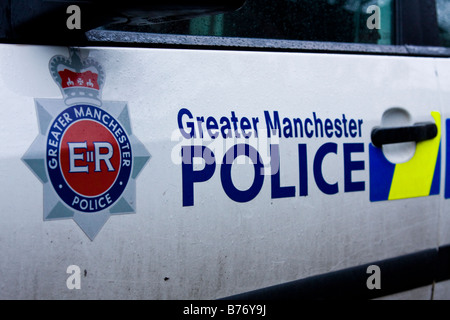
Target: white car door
(164, 178)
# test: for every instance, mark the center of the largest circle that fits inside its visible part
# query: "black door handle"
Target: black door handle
(417, 132)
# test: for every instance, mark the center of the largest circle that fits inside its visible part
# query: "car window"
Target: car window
(354, 21)
(443, 14)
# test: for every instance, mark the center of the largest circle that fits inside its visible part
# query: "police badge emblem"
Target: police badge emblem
(85, 155)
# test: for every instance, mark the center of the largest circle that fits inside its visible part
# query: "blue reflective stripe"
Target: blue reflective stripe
(381, 174)
(435, 185)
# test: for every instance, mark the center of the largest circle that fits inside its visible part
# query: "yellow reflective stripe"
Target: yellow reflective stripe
(414, 178)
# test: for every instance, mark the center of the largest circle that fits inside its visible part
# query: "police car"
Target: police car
(225, 150)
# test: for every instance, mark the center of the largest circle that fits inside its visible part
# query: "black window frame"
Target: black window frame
(416, 33)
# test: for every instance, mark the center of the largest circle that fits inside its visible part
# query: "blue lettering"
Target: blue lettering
(225, 173)
(277, 190)
(309, 134)
(338, 129)
(328, 128)
(324, 186)
(349, 166)
(190, 125)
(303, 170)
(272, 127)
(211, 124)
(191, 176)
(318, 126)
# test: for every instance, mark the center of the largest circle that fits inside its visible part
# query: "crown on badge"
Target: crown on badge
(80, 80)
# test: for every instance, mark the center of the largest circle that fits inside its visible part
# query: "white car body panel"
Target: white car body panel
(218, 247)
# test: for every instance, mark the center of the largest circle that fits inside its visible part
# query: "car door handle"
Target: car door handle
(417, 132)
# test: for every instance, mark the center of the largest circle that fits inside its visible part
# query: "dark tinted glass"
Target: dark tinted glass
(443, 13)
(313, 20)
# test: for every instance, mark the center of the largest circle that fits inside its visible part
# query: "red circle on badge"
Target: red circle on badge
(89, 158)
